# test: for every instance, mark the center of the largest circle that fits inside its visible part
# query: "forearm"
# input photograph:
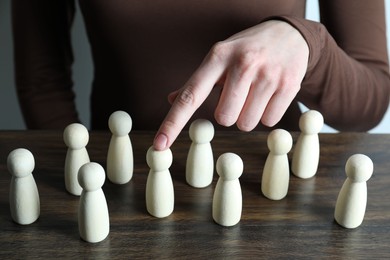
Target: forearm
(350, 89)
(43, 60)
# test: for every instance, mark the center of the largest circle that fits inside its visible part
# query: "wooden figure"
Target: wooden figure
(23, 195)
(159, 186)
(120, 161)
(93, 217)
(276, 172)
(352, 199)
(227, 199)
(76, 138)
(307, 150)
(200, 160)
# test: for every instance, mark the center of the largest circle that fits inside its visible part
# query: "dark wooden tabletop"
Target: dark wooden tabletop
(299, 226)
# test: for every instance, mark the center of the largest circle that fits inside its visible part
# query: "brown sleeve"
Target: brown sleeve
(348, 74)
(43, 59)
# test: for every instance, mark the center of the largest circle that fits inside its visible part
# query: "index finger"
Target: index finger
(188, 100)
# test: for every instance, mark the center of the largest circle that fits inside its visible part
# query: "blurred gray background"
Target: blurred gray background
(10, 115)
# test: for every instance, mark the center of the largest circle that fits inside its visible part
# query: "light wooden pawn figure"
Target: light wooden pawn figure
(159, 186)
(23, 196)
(307, 149)
(227, 199)
(76, 138)
(276, 172)
(352, 199)
(120, 161)
(200, 160)
(93, 217)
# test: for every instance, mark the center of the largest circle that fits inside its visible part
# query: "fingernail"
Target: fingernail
(160, 142)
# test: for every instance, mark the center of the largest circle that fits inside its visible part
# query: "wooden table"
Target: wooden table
(300, 225)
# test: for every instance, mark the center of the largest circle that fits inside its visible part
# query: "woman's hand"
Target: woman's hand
(260, 71)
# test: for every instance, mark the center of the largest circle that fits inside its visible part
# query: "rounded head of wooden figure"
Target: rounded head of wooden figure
(91, 176)
(201, 131)
(76, 136)
(229, 166)
(159, 160)
(311, 122)
(279, 141)
(359, 168)
(20, 162)
(120, 123)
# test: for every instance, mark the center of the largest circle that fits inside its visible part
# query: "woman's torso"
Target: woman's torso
(143, 50)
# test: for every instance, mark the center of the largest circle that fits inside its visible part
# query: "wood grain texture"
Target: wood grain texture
(300, 225)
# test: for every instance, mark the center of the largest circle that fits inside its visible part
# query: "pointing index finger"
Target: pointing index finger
(188, 100)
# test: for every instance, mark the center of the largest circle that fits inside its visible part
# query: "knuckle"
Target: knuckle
(170, 125)
(288, 85)
(247, 58)
(186, 97)
(266, 77)
(247, 61)
(219, 52)
(285, 90)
